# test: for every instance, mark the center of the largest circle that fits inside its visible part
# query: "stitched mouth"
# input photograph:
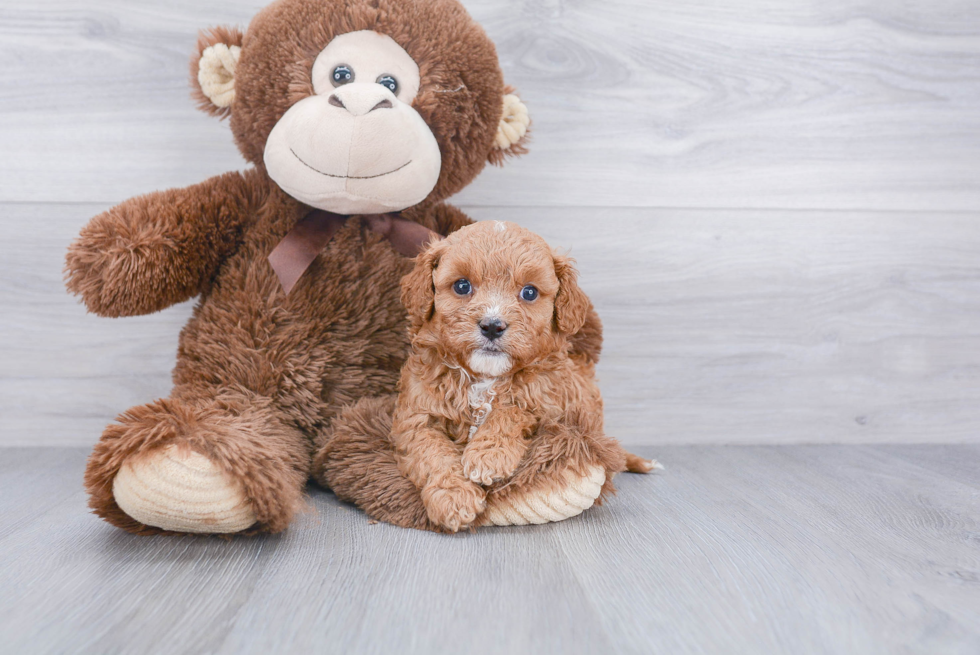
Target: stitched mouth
(348, 177)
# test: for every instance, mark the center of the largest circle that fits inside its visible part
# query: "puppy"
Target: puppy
(492, 311)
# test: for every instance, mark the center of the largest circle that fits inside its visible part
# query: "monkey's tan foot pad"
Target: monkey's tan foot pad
(548, 505)
(183, 491)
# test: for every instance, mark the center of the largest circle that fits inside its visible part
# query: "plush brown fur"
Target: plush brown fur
(260, 375)
(230, 36)
(546, 416)
(462, 84)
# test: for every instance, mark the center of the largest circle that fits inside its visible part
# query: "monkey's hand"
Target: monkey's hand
(156, 250)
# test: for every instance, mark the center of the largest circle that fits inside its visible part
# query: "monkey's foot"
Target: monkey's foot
(553, 503)
(183, 491)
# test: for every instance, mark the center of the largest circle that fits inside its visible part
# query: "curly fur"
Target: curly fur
(546, 416)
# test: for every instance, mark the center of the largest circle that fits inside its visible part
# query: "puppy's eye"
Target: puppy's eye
(462, 287)
(343, 74)
(389, 83)
(529, 293)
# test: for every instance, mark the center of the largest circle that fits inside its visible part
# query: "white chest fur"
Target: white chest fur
(481, 398)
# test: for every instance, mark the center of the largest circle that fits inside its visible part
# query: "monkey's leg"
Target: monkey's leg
(222, 463)
(356, 460)
(568, 468)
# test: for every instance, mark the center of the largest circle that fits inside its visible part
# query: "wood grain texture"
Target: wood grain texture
(802, 549)
(721, 327)
(791, 104)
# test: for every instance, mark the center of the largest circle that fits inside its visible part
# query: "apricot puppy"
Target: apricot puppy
(492, 308)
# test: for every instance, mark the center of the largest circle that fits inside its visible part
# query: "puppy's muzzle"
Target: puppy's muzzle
(492, 328)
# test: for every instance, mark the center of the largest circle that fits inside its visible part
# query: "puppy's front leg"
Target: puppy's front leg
(498, 446)
(431, 460)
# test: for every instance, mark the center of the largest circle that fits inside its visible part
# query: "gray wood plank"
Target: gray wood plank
(780, 327)
(940, 461)
(721, 327)
(800, 549)
(869, 105)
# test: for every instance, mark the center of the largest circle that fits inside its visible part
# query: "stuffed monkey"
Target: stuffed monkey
(359, 118)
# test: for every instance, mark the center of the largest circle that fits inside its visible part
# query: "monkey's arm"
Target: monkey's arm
(156, 250)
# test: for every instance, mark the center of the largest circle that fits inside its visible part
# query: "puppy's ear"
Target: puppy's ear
(571, 303)
(418, 288)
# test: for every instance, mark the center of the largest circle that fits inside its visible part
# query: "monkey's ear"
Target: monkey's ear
(213, 69)
(571, 303)
(418, 287)
(512, 132)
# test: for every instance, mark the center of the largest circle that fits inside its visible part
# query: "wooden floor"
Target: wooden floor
(764, 549)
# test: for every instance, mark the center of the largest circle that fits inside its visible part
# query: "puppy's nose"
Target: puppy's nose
(492, 328)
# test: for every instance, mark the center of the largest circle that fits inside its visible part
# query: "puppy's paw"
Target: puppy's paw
(488, 465)
(454, 505)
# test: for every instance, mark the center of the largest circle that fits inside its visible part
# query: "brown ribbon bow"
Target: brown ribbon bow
(313, 232)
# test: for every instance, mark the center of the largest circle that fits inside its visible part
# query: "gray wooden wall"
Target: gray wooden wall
(775, 204)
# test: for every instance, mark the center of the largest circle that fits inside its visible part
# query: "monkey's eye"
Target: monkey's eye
(343, 74)
(529, 293)
(389, 82)
(462, 287)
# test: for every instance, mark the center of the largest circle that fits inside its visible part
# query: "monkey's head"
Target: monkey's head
(362, 106)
